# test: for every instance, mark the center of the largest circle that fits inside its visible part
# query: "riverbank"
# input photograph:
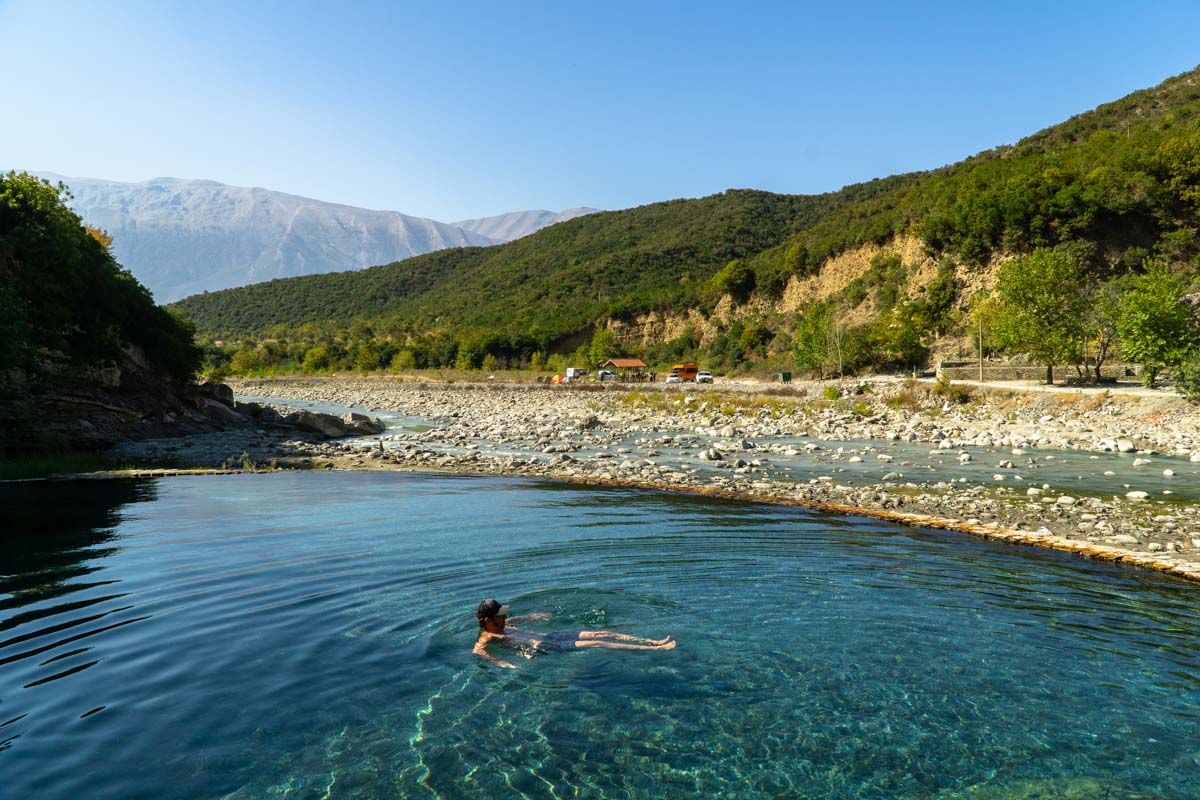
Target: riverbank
(725, 441)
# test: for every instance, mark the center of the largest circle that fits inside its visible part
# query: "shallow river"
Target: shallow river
(852, 462)
(308, 635)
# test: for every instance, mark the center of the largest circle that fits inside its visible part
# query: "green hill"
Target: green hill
(1122, 182)
(552, 283)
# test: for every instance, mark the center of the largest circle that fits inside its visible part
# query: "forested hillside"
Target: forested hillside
(1119, 186)
(554, 282)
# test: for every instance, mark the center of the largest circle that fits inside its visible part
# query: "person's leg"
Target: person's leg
(621, 637)
(607, 645)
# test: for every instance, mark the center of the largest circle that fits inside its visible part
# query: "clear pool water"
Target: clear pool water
(308, 635)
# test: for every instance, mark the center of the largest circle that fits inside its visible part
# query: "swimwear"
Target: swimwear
(560, 641)
(557, 642)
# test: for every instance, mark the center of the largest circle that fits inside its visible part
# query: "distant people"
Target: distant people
(495, 627)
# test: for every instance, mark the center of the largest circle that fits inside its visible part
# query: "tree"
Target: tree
(736, 279)
(1100, 325)
(248, 361)
(367, 357)
(1153, 322)
(603, 347)
(404, 360)
(754, 337)
(65, 296)
(100, 235)
(819, 339)
(1042, 300)
(316, 359)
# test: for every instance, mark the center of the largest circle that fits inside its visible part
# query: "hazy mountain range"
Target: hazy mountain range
(516, 224)
(181, 237)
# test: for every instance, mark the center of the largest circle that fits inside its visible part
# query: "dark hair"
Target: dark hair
(488, 609)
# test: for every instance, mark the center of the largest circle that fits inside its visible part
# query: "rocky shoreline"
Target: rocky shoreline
(619, 435)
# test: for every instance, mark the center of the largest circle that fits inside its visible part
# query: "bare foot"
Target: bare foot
(668, 644)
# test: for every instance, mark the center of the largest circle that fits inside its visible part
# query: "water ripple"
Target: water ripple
(309, 635)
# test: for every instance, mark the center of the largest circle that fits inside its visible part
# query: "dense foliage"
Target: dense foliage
(62, 295)
(556, 282)
(1105, 191)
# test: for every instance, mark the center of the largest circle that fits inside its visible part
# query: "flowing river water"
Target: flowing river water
(308, 635)
(852, 462)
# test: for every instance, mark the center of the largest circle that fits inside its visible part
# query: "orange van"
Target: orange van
(686, 372)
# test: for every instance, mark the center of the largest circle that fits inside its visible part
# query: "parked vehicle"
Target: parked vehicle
(673, 378)
(703, 376)
(686, 372)
(575, 373)
(606, 375)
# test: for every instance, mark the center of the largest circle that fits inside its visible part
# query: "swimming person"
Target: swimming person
(495, 627)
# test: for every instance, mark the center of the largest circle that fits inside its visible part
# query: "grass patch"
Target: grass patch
(953, 392)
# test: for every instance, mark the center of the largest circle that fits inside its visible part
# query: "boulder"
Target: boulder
(216, 391)
(218, 412)
(362, 425)
(323, 424)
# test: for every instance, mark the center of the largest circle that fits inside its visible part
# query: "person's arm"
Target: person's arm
(480, 650)
(530, 617)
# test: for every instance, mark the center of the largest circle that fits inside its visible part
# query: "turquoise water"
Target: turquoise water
(308, 635)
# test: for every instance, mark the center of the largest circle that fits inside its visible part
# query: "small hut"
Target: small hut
(630, 369)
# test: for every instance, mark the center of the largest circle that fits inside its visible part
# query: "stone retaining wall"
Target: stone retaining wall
(969, 371)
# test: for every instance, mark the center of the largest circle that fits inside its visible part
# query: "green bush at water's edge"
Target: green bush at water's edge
(62, 295)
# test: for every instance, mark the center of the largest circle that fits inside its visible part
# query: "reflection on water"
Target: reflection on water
(308, 635)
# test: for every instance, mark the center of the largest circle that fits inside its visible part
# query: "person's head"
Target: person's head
(491, 614)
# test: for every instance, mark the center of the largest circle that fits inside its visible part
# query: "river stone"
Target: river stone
(323, 424)
(362, 424)
(1137, 495)
(1141, 462)
(1195, 459)
(1170, 473)
(1066, 500)
(217, 391)
(1125, 446)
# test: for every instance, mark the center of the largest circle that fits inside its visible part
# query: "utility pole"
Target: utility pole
(981, 349)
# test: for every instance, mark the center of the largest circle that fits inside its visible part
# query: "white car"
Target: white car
(674, 379)
(703, 376)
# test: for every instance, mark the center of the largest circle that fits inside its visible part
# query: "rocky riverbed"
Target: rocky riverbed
(731, 441)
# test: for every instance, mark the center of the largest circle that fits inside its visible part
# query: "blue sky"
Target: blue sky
(470, 109)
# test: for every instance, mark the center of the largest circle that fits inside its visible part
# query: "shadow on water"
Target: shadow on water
(51, 532)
